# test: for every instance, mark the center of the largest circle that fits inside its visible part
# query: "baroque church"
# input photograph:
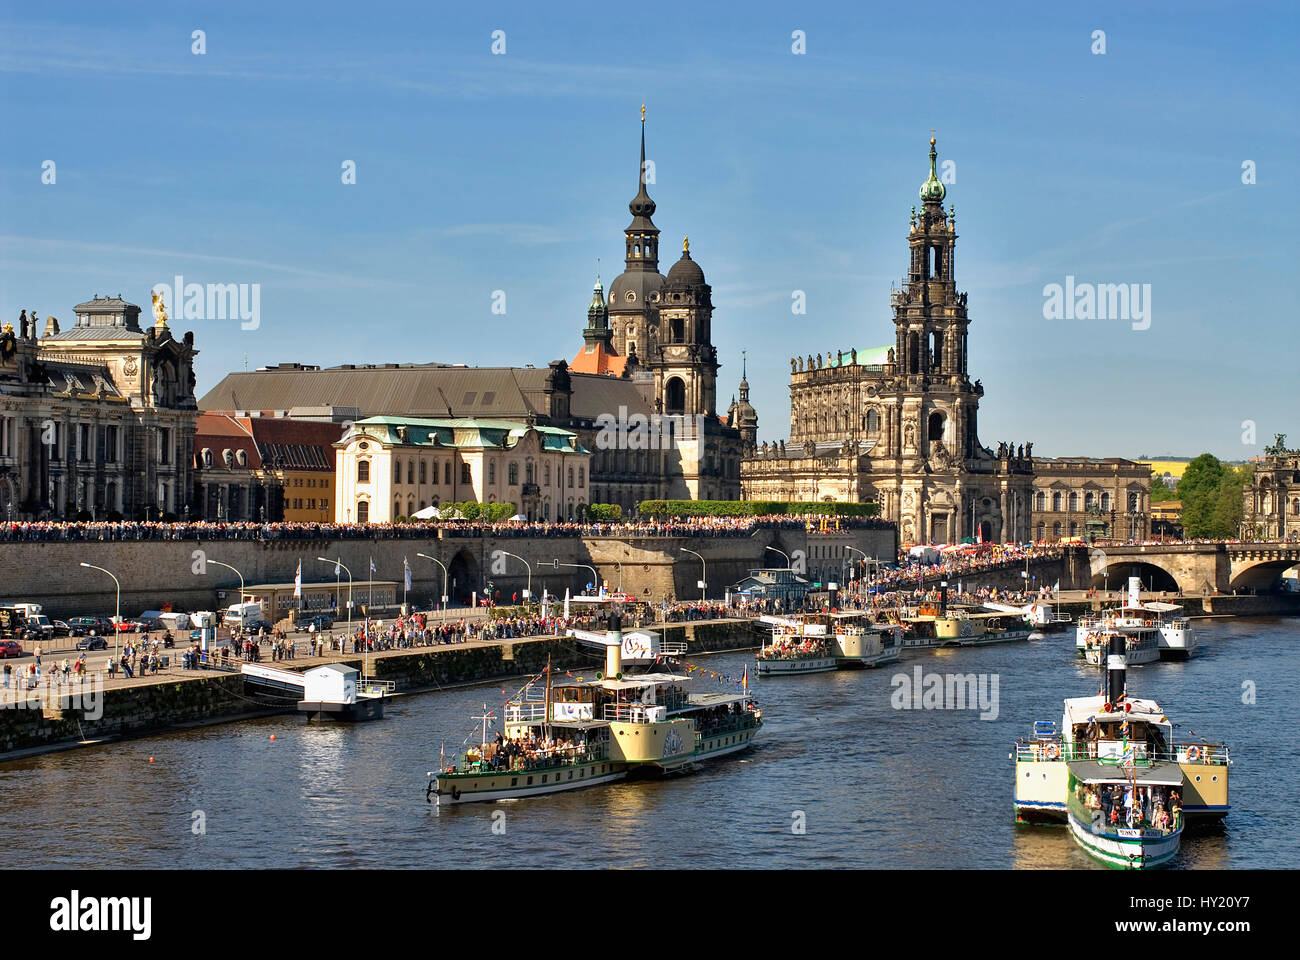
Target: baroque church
(899, 424)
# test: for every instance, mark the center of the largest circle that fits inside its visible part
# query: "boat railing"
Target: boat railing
(728, 724)
(528, 710)
(672, 648)
(1118, 753)
(376, 688)
(635, 712)
(1061, 617)
(533, 759)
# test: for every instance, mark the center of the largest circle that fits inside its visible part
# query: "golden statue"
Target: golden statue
(686, 244)
(643, 113)
(159, 310)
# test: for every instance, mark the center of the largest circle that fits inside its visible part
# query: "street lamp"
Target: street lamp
(117, 634)
(865, 558)
(595, 575)
(442, 606)
(241, 585)
(337, 564)
(783, 553)
(704, 581)
(528, 591)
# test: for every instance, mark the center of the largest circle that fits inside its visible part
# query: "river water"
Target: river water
(871, 785)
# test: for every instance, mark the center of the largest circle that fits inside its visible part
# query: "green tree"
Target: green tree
(1199, 490)
(1159, 492)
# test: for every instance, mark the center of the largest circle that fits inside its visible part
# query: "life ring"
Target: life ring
(1193, 753)
(1052, 751)
(1106, 709)
(1150, 623)
(1128, 708)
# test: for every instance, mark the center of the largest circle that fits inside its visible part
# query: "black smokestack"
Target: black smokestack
(1116, 668)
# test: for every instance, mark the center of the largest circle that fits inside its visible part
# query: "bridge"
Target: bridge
(1188, 568)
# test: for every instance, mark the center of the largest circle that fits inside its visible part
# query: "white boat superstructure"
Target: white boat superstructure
(797, 645)
(1174, 637)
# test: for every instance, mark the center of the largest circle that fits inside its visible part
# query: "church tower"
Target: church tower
(634, 294)
(930, 321)
(685, 363)
(741, 415)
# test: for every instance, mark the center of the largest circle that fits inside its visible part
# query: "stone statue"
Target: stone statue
(1002, 450)
(783, 448)
(159, 310)
(909, 435)
(189, 339)
(22, 325)
(792, 365)
(1021, 454)
(891, 354)
(839, 359)
(853, 354)
(1029, 450)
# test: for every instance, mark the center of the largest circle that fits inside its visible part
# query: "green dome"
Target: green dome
(932, 190)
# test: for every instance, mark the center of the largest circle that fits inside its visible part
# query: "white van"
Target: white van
(242, 614)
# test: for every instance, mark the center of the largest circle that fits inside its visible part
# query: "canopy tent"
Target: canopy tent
(428, 513)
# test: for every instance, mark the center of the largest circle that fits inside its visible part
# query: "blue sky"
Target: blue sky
(478, 172)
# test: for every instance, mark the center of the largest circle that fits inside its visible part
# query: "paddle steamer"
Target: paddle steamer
(1116, 776)
(579, 733)
(1155, 623)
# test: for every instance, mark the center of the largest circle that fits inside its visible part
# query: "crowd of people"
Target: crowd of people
(55, 530)
(528, 752)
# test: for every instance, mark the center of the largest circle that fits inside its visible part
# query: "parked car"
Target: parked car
(40, 626)
(128, 626)
(92, 643)
(256, 626)
(61, 628)
(81, 626)
(11, 648)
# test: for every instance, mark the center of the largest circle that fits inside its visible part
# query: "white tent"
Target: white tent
(518, 518)
(428, 513)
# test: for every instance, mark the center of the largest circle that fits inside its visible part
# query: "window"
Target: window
(363, 472)
(1056, 529)
(546, 474)
(423, 471)
(529, 475)
(492, 471)
(582, 477)
(1105, 501)
(1074, 501)
(363, 511)
(446, 472)
(512, 474)
(1056, 506)
(571, 478)
(1042, 503)
(464, 473)
(873, 422)
(397, 471)
(1134, 501)
(410, 472)
(1088, 500)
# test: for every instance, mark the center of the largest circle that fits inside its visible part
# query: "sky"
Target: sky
(479, 172)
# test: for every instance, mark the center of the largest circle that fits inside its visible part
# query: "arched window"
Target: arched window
(1042, 531)
(1105, 501)
(936, 427)
(363, 511)
(397, 471)
(873, 421)
(1134, 502)
(410, 472)
(363, 471)
(675, 396)
(1074, 529)
(1042, 503)
(1056, 507)
(914, 352)
(571, 483)
(1088, 500)
(1056, 529)
(546, 474)
(582, 478)
(679, 329)
(397, 509)
(1074, 501)
(492, 471)
(410, 507)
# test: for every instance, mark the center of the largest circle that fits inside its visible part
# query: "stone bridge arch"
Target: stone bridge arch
(1114, 575)
(1259, 567)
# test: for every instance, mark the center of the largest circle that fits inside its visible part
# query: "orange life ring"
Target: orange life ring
(1052, 751)
(1193, 753)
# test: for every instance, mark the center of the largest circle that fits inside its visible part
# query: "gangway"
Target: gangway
(279, 680)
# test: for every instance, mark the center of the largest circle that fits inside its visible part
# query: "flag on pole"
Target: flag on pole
(337, 569)
(407, 567)
(297, 582)
(372, 564)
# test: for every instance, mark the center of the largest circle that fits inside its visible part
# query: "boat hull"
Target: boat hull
(365, 708)
(778, 667)
(1125, 849)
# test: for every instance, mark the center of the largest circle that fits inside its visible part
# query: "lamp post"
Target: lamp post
(340, 563)
(783, 553)
(528, 590)
(241, 584)
(595, 575)
(704, 579)
(442, 607)
(117, 634)
(865, 558)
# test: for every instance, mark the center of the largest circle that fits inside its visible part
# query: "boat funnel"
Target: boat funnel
(614, 648)
(1116, 668)
(1135, 591)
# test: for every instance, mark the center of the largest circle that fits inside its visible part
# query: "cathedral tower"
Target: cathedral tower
(634, 294)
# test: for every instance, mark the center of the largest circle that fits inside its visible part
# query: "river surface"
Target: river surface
(873, 786)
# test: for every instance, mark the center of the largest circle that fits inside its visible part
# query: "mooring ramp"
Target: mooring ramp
(273, 678)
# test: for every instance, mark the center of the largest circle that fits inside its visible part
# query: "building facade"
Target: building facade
(97, 420)
(1088, 497)
(1271, 510)
(264, 467)
(391, 467)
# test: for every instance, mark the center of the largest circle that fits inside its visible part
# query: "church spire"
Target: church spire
(933, 190)
(641, 235)
(597, 316)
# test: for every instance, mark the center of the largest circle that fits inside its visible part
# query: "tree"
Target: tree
(1159, 492)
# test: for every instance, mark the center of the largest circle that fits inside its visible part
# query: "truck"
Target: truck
(14, 626)
(242, 614)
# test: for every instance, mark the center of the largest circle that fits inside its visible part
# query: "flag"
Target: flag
(297, 582)
(407, 567)
(337, 568)
(372, 564)
(744, 680)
